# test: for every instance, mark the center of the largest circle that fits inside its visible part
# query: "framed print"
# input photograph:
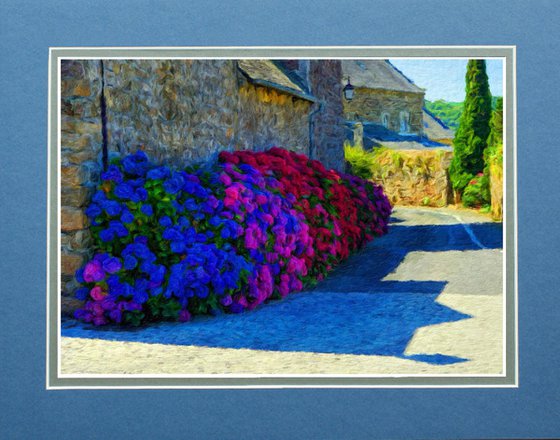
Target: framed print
(286, 217)
(138, 154)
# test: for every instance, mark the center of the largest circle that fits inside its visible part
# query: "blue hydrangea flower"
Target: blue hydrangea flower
(165, 221)
(158, 173)
(136, 164)
(106, 235)
(147, 209)
(140, 195)
(172, 234)
(112, 207)
(93, 210)
(124, 191)
(127, 217)
(174, 184)
(130, 262)
(119, 229)
(82, 293)
(112, 265)
(113, 173)
(99, 196)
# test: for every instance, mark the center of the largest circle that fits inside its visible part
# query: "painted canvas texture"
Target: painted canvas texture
(281, 217)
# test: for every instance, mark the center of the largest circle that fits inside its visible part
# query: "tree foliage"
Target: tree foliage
(450, 112)
(474, 127)
(496, 126)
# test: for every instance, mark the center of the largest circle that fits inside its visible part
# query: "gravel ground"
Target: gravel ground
(425, 299)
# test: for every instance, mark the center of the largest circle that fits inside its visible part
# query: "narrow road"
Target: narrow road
(425, 299)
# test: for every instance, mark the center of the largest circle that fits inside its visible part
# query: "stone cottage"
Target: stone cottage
(384, 96)
(184, 111)
(388, 108)
(436, 130)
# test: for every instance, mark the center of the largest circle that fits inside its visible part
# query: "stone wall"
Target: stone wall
(328, 124)
(414, 177)
(369, 105)
(270, 118)
(496, 174)
(179, 110)
(80, 141)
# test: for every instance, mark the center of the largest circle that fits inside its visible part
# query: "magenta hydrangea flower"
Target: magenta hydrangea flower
(93, 272)
(97, 293)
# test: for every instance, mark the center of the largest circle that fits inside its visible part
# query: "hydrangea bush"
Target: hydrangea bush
(221, 237)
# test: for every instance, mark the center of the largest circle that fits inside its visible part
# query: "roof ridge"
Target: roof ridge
(402, 74)
(438, 120)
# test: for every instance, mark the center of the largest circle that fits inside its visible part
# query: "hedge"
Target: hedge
(225, 236)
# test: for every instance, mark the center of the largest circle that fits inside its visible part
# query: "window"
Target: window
(404, 122)
(385, 120)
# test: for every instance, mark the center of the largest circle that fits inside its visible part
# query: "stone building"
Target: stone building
(388, 109)
(436, 130)
(383, 96)
(185, 111)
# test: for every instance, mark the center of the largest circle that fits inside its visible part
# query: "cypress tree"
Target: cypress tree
(474, 128)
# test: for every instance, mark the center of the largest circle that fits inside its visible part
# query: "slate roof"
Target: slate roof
(434, 128)
(376, 135)
(268, 74)
(377, 74)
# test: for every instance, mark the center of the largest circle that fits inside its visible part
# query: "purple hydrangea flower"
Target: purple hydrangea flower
(112, 265)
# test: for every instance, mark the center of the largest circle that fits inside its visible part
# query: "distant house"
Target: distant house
(389, 108)
(436, 130)
(384, 96)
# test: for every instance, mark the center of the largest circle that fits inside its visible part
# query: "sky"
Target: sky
(445, 78)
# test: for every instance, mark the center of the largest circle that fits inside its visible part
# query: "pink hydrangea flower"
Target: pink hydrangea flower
(97, 293)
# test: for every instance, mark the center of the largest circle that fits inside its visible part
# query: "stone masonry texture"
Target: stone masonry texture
(368, 105)
(414, 177)
(328, 123)
(270, 118)
(177, 111)
(80, 138)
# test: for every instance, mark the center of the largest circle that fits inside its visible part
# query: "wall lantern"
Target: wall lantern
(348, 91)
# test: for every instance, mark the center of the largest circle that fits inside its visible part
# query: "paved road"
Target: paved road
(424, 299)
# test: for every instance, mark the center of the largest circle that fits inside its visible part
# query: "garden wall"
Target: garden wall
(177, 111)
(414, 177)
(496, 173)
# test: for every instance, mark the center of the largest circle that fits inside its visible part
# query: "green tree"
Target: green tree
(494, 160)
(496, 126)
(474, 128)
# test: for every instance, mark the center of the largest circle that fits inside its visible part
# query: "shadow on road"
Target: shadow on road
(364, 271)
(351, 312)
